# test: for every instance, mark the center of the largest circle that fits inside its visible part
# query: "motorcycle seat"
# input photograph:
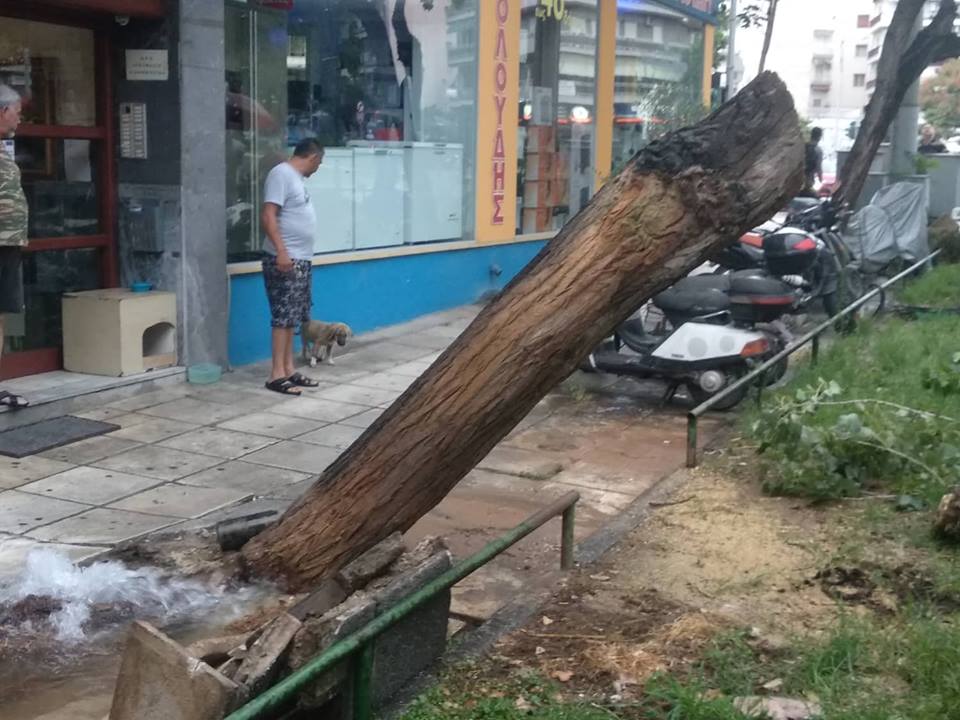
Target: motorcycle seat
(752, 283)
(697, 283)
(692, 302)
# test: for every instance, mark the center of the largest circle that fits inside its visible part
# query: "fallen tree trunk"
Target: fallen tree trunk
(677, 201)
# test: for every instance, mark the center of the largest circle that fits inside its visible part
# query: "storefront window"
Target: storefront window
(556, 114)
(659, 75)
(387, 86)
(52, 66)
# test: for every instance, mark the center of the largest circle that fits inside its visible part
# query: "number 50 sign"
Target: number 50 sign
(556, 9)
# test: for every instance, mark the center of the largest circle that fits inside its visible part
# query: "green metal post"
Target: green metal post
(815, 350)
(362, 682)
(691, 440)
(761, 384)
(566, 538)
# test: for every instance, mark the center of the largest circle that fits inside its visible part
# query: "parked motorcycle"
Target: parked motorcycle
(717, 327)
(803, 229)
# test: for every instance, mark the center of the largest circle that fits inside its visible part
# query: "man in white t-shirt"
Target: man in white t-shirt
(289, 226)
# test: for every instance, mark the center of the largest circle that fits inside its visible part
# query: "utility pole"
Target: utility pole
(732, 79)
(903, 148)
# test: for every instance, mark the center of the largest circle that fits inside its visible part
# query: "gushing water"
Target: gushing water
(143, 592)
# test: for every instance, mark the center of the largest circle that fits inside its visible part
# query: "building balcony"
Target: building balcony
(820, 85)
(873, 52)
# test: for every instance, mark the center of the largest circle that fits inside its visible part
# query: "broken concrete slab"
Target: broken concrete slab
(318, 634)
(330, 594)
(522, 463)
(216, 650)
(160, 680)
(263, 661)
(372, 564)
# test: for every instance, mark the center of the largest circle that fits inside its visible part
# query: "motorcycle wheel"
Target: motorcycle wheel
(700, 396)
(776, 372)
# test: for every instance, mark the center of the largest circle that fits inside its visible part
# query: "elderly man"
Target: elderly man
(13, 225)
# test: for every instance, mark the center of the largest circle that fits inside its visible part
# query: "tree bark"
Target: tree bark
(674, 204)
(902, 61)
(768, 33)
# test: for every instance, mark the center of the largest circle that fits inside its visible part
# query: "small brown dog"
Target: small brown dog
(318, 338)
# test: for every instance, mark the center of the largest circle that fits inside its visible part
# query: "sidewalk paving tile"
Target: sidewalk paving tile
(390, 352)
(150, 399)
(338, 437)
(150, 429)
(102, 526)
(445, 332)
(363, 420)
(272, 425)
(90, 450)
(421, 340)
(294, 455)
(371, 397)
(249, 401)
(522, 463)
(324, 410)
(19, 471)
(412, 369)
(183, 501)
(21, 512)
(104, 414)
(14, 551)
(159, 462)
(246, 477)
(190, 410)
(226, 444)
(385, 381)
(289, 493)
(91, 485)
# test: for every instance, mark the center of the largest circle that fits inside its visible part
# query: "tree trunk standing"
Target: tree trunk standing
(677, 201)
(768, 33)
(902, 61)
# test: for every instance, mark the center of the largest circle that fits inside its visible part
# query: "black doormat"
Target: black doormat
(48, 434)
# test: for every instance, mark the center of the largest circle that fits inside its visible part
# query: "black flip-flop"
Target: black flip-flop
(14, 402)
(282, 386)
(303, 381)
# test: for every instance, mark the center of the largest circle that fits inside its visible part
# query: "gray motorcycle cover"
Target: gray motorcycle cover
(893, 225)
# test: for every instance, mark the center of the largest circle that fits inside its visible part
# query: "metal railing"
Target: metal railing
(759, 373)
(361, 644)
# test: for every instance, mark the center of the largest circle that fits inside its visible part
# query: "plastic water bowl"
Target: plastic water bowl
(203, 374)
(141, 287)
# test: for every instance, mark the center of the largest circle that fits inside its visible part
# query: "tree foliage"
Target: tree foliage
(940, 97)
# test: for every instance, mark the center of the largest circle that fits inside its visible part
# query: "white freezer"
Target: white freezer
(331, 189)
(378, 196)
(434, 197)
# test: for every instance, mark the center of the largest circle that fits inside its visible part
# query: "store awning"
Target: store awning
(132, 8)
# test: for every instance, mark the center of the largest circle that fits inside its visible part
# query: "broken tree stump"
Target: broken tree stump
(680, 199)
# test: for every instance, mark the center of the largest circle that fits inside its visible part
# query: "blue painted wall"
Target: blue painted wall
(374, 293)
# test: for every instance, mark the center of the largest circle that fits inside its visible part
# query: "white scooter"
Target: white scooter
(714, 343)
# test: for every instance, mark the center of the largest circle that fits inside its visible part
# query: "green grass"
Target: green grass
(524, 696)
(905, 668)
(937, 288)
(889, 360)
(864, 669)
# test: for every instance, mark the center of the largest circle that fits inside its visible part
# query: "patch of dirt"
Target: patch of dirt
(725, 558)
